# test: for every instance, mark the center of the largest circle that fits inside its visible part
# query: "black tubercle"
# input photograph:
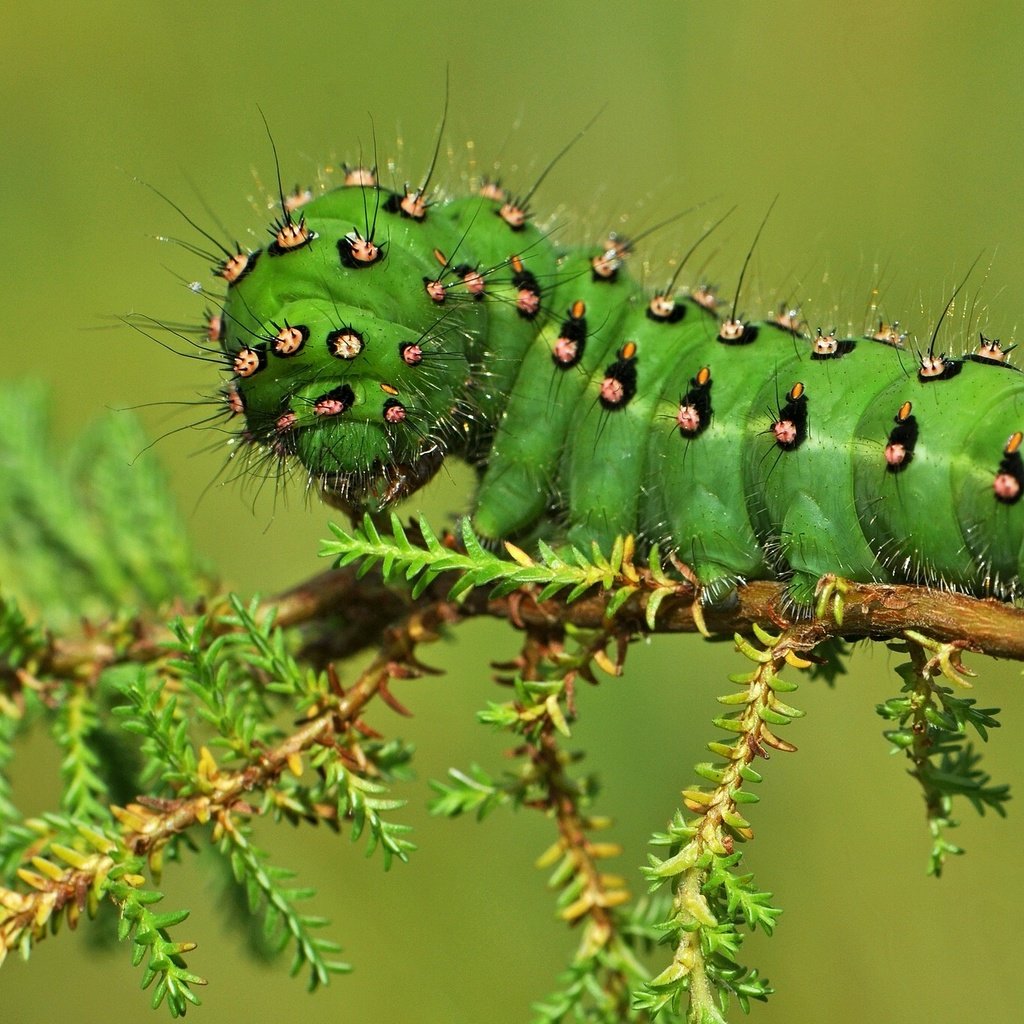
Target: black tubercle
(411, 205)
(351, 243)
(249, 359)
(744, 337)
(1012, 465)
(345, 254)
(843, 348)
(289, 340)
(515, 215)
(792, 419)
(411, 352)
(901, 443)
(695, 409)
(828, 346)
(464, 270)
(571, 342)
(345, 343)
(304, 237)
(524, 281)
(335, 401)
(950, 368)
(224, 269)
(677, 314)
(609, 277)
(394, 411)
(619, 385)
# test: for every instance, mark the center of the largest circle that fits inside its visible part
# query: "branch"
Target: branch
(148, 824)
(871, 611)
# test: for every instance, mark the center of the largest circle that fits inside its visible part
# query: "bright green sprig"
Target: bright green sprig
(363, 803)
(267, 646)
(22, 643)
(931, 728)
(598, 989)
(713, 901)
(169, 753)
(267, 893)
(297, 799)
(83, 537)
(214, 670)
(218, 667)
(574, 572)
(470, 792)
(538, 703)
(266, 650)
(80, 867)
(151, 942)
(85, 793)
(256, 649)
(608, 986)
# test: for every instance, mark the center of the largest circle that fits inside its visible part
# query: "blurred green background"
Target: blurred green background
(892, 135)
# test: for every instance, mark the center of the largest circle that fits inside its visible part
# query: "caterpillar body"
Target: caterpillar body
(378, 333)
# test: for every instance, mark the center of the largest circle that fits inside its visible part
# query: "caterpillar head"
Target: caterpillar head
(341, 359)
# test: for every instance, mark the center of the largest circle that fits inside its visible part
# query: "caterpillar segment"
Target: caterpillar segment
(379, 333)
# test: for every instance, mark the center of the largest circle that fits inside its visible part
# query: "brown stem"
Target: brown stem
(870, 611)
(358, 610)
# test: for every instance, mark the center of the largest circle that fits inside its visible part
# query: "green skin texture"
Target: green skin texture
(731, 502)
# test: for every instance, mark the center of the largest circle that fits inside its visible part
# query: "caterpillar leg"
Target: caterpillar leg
(716, 585)
(830, 594)
(394, 482)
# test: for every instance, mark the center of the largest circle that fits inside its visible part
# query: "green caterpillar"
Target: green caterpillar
(379, 332)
